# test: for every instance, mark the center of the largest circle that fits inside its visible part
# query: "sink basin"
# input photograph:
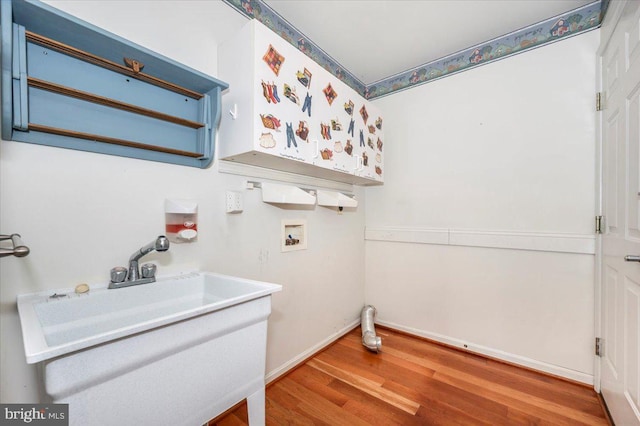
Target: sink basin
(53, 326)
(195, 341)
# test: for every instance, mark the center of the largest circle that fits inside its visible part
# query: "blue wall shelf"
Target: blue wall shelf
(66, 83)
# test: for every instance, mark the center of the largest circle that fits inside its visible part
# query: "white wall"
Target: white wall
(83, 213)
(508, 147)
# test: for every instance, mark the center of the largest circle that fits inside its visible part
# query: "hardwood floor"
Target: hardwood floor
(416, 382)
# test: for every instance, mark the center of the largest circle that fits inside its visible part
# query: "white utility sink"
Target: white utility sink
(178, 351)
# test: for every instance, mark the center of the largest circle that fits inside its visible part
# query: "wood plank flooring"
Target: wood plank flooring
(417, 382)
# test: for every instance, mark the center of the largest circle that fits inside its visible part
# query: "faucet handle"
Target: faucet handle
(118, 274)
(148, 270)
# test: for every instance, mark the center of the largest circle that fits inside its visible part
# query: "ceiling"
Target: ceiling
(408, 33)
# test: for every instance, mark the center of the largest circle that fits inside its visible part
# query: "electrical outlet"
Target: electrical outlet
(234, 202)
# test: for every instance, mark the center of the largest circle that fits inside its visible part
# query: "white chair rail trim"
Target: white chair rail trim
(536, 241)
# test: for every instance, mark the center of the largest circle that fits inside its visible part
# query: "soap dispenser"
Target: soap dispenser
(181, 220)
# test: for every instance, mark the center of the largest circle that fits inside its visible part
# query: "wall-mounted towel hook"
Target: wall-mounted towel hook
(234, 112)
(18, 250)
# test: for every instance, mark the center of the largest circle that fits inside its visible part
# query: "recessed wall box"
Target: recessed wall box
(294, 234)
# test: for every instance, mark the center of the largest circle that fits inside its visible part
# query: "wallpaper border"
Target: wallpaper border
(566, 25)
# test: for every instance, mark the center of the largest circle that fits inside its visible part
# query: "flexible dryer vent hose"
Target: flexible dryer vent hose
(369, 338)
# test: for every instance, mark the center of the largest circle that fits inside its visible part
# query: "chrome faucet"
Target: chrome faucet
(121, 277)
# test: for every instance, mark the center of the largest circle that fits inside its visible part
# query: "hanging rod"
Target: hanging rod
(105, 63)
(107, 139)
(101, 100)
(251, 184)
(18, 250)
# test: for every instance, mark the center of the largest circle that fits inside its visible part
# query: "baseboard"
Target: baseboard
(507, 357)
(301, 358)
(518, 360)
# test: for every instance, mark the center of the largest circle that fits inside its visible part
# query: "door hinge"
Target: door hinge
(599, 101)
(599, 348)
(599, 224)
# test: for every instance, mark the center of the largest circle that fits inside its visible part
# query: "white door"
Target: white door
(620, 281)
